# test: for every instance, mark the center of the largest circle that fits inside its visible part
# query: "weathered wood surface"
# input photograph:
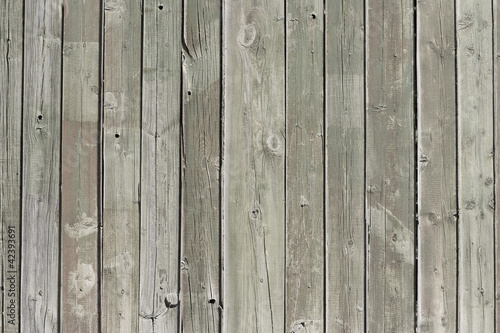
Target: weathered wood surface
(496, 119)
(345, 222)
(121, 166)
(254, 178)
(41, 167)
(476, 284)
(80, 168)
(160, 167)
(390, 167)
(11, 88)
(437, 169)
(201, 151)
(305, 255)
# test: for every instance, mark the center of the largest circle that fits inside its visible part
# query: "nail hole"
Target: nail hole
(160, 7)
(189, 93)
(211, 301)
(117, 135)
(40, 117)
(313, 16)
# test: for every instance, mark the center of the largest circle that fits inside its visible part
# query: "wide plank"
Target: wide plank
(254, 177)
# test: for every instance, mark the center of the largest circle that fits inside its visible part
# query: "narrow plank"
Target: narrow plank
(160, 173)
(41, 167)
(345, 226)
(496, 92)
(80, 167)
(305, 257)
(254, 213)
(437, 195)
(11, 74)
(121, 165)
(201, 116)
(476, 289)
(390, 166)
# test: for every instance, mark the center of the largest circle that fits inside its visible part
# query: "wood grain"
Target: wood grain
(201, 117)
(476, 288)
(305, 274)
(437, 181)
(41, 167)
(496, 108)
(390, 166)
(121, 166)
(345, 226)
(11, 74)
(254, 216)
(160, 167)
(80, 167)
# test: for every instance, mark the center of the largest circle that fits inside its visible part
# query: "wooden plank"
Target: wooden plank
(345, 226)
(476, 289)
(437, 195)
(390, 166)
(496, 105)
(254, 214)
(80, 167)
(121, 166)
(11, 74)
(305, 274)
(201, 115)
(160, 172)
(41, 166)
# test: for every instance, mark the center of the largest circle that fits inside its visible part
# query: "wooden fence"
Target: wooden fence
(249, 166)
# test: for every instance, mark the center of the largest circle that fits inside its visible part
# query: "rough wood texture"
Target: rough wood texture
(11, 74)
(201, 78)
(41, 166)
(305, 274)
(345, 224)
(496, 119)
(80, 173)
(160, 167)
(121, 159)
(437, 196)
(254, 216)
(390, 166)
(476, 289)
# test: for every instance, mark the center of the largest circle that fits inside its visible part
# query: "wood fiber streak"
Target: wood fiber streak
(437, 196)
(121, 165)
(11, 74)
(305, 274)
(496, 117)
(254, 216)
(41, 166)
(476, 286)
(345, 227)
(80, 167)
(160, 172)
(390, 166)
(200, 248)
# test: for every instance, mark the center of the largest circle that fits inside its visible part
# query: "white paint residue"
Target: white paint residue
(82, 280)
(84, 227)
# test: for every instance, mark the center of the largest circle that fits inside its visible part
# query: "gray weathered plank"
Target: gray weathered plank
(200, 248)
(121, 166)
(11, 74)
(254, 215)
(345, 224)
(160, 167)
(437, 195)
(41, 166)
(496, 113)
(390, 166)
(305, 274)
(476, 289)
(80, 167)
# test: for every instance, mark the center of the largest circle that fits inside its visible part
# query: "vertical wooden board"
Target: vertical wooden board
(201, 116)
(41, 166)
(496, 92)
(121, 165)
(80, 167)
(160, 188)
(476, 290)
(305, 257)
(437, 195)
(345, 224)
(254, 209)
(11, 74)
(390, 166)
